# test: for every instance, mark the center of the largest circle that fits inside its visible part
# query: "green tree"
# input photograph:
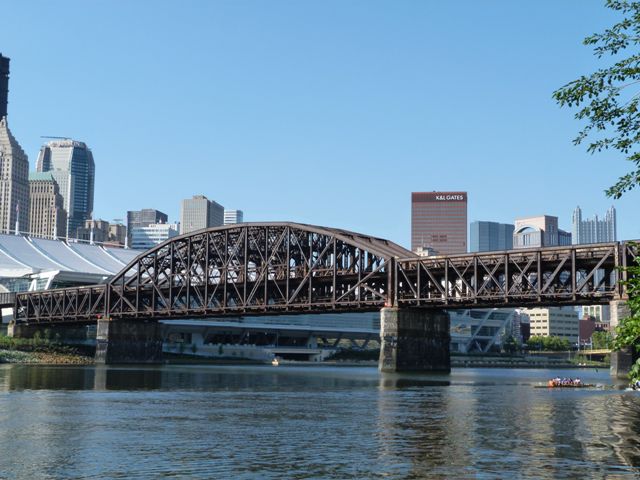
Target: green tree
(608, 102)
(628, 332)
(510, 345)
(552, 344)
(535, 343)
(601, 340)
(608, 99)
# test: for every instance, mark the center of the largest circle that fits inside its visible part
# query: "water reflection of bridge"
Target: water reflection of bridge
(278, 268)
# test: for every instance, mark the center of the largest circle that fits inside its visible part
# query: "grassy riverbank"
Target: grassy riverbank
(40, 350)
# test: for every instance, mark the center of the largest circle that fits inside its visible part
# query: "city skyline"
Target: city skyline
(284, 145)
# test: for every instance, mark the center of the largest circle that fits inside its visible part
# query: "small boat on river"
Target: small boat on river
(568, 383)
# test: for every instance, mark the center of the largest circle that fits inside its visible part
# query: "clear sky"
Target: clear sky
(328, 112)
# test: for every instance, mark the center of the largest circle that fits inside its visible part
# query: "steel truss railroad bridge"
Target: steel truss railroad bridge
(277, 268)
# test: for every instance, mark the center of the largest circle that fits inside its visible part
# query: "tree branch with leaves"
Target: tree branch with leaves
(608, 102)
(628, 332)
(609, 99)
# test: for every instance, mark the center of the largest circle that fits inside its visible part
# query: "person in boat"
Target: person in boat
(564, 382)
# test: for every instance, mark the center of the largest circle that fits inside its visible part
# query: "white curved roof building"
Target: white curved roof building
(29, 263)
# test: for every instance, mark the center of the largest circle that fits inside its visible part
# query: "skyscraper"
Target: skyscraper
(199, 212)
(14, 167)
(490, 236)
(47, 217)
(233, 216)
(439, 221)
(594, 230)
(144, 218)
(71, 164)
(14, 182)
(540, 231)
(4, 85)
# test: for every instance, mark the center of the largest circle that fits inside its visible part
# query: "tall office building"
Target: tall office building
(540, 231)
(71, 164)
(233, 216)
(47, 216)
(594, 230)
(143, 238)
(599, 313)
(199, 212)
(144, 218)
(490, 236)
(14, 167)
(439, 222)
(14, 182)
(560, 322)
(4, 85)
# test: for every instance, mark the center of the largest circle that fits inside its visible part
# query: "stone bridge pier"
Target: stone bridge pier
(128, 341)
(414, 340)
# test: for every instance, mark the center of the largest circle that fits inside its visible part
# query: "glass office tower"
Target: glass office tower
(71, 165)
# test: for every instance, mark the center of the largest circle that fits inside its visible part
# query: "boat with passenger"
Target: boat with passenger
(568, 383)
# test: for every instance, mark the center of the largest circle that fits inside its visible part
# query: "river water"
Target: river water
(311, 422)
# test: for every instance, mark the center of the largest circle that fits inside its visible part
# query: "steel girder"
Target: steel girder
(272, 268)
(69, 305)
(580, 274)
(244, 269)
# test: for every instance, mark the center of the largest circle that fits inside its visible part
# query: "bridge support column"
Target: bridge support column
(414, 340)
(621, 361)
(126, 341)
(22, 330)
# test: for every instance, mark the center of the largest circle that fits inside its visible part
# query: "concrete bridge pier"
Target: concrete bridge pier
(414, 340)
(128, 341)
(621, 361)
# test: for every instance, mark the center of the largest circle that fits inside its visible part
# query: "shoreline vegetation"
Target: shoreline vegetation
(48, 350)
(41, 350)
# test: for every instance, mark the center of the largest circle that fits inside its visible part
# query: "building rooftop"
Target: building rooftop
(22, 256)
(40, 176)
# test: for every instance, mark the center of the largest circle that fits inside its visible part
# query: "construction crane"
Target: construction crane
(56, 138)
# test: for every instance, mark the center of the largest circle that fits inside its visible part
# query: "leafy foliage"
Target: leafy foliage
(609, 99)
(35, 344)
(628, 332)
(601, 340)
(552, 343)
(510, 345)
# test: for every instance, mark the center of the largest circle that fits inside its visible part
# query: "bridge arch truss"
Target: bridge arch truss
(241, 269)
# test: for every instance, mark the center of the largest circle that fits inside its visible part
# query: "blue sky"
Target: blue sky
(329, 112)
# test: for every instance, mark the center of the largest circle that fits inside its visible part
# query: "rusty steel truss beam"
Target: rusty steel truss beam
(576, 275)
(273, 268)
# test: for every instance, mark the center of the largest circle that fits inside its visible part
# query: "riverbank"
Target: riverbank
(44, 358)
